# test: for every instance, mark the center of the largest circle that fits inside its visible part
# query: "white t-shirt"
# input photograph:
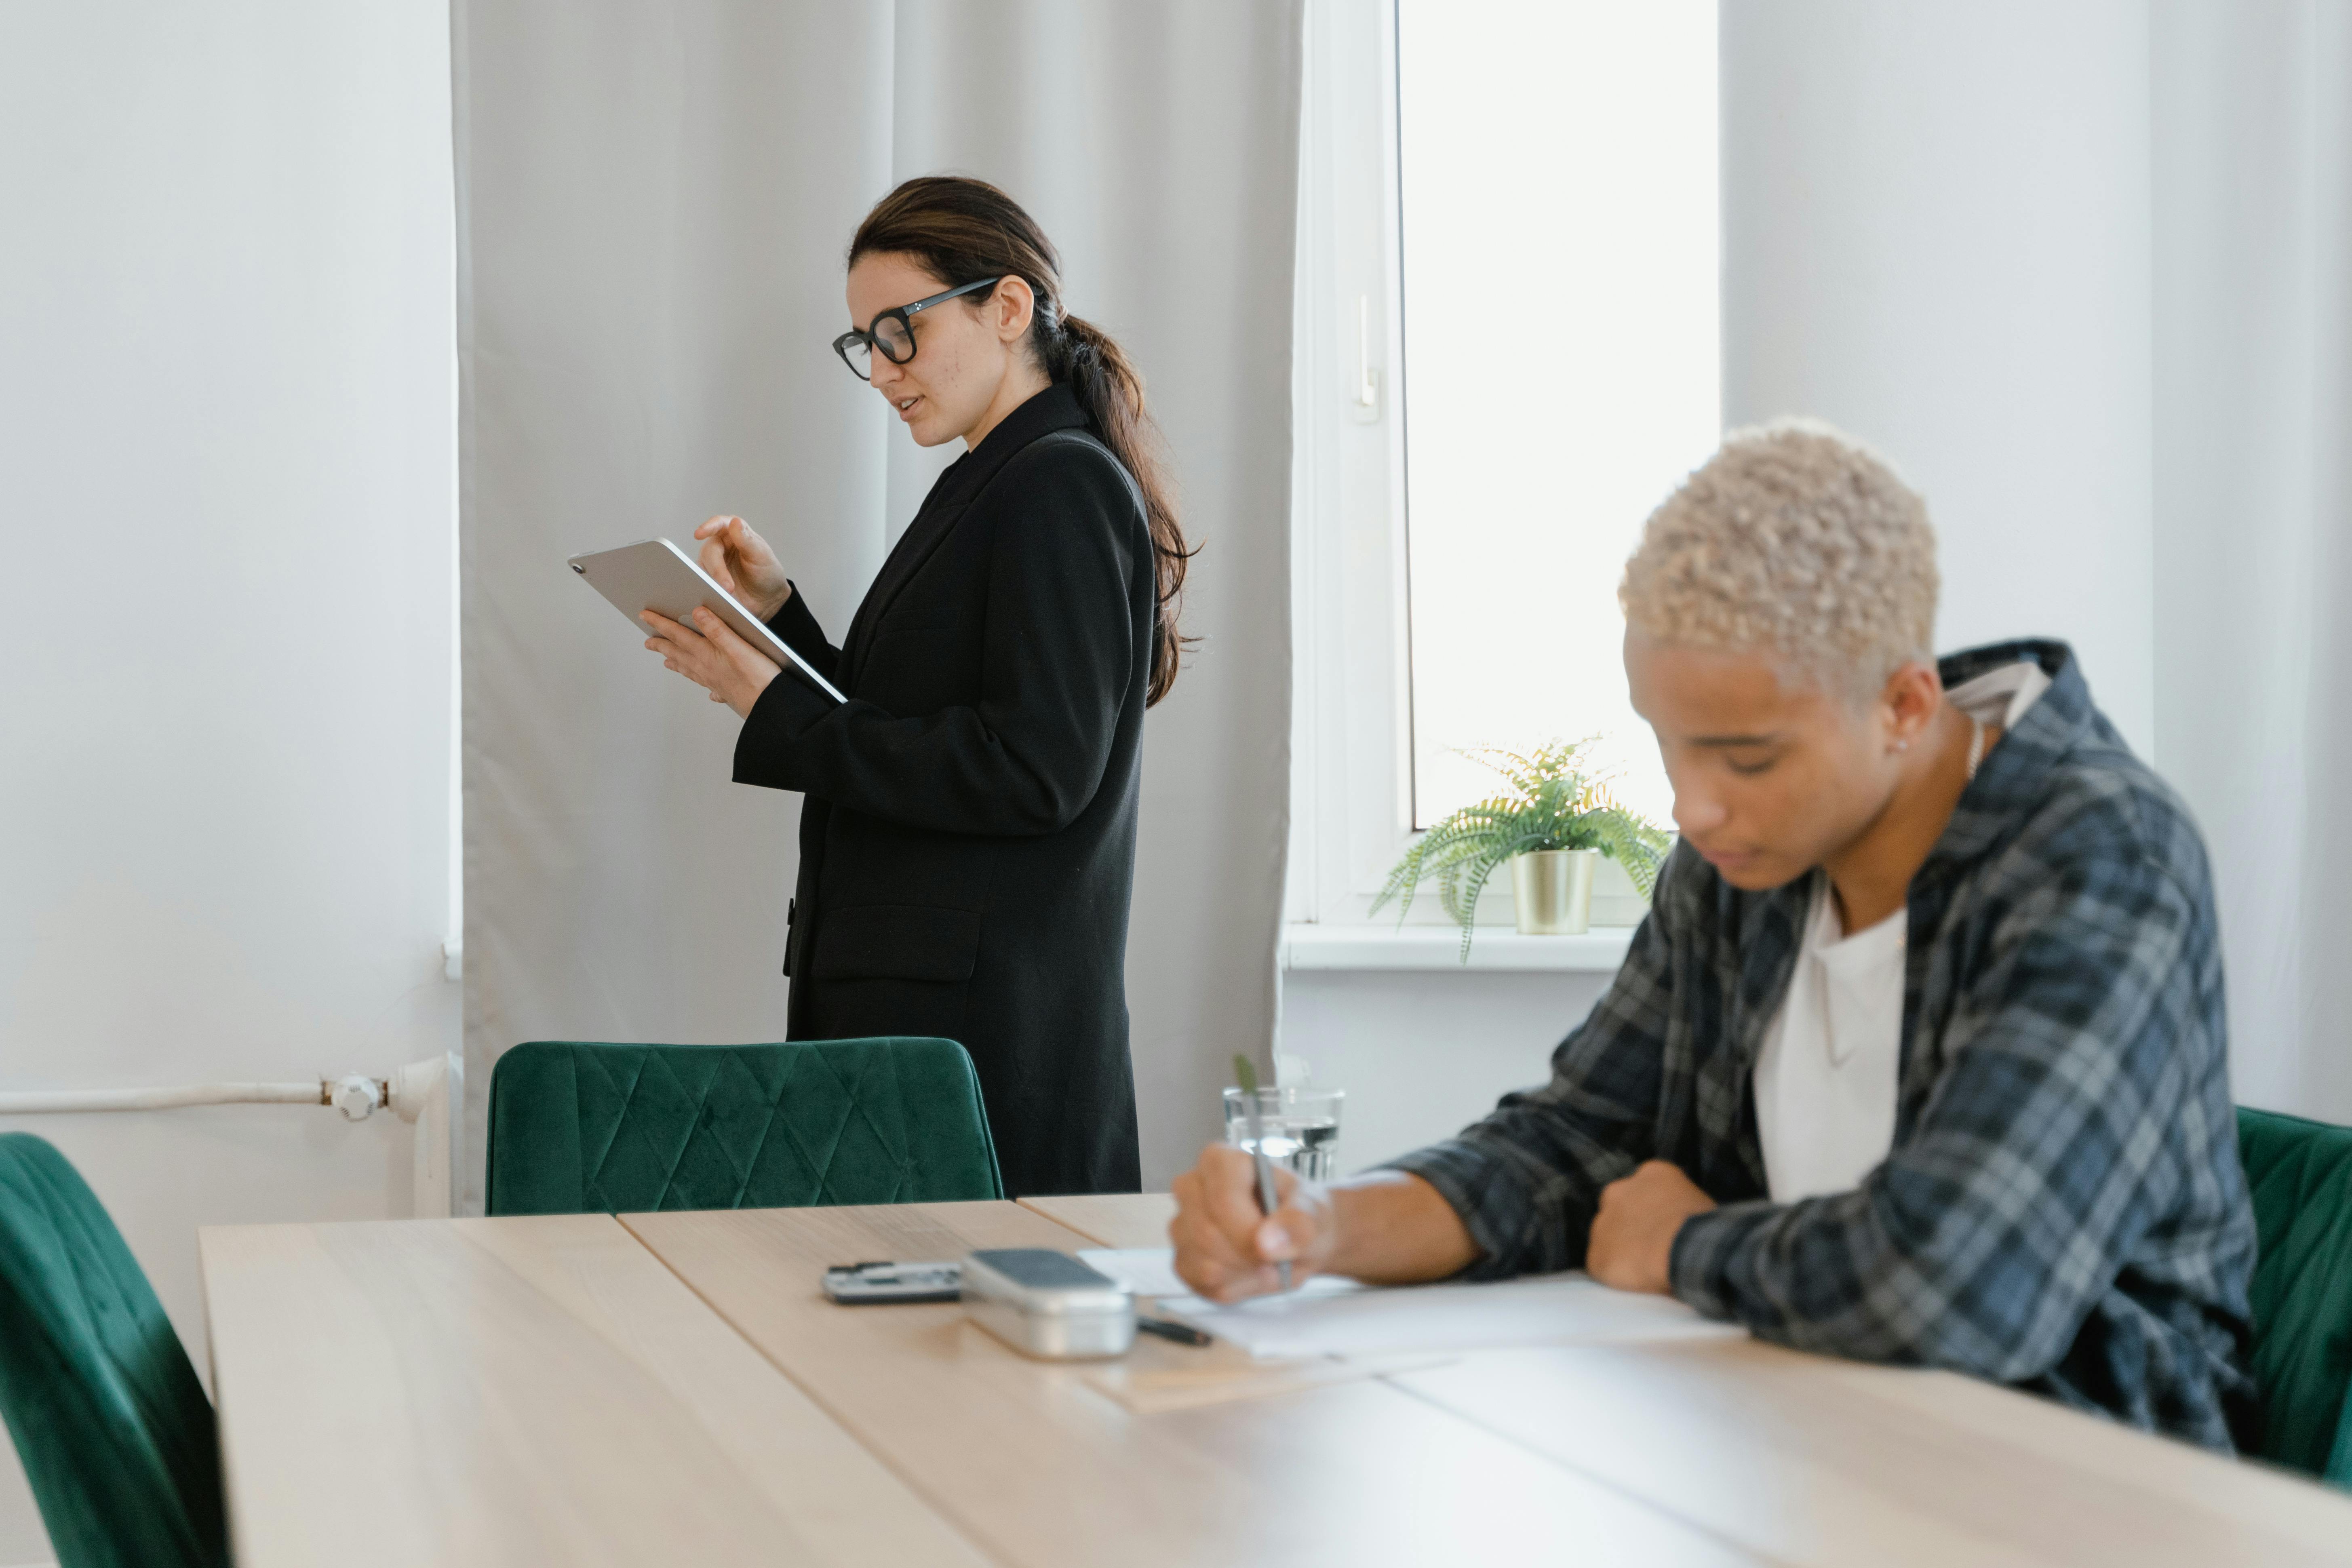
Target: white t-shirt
(1825, 1081)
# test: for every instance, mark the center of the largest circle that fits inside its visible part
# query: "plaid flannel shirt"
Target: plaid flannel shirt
(2062, 1208)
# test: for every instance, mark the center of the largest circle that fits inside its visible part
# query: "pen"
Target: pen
(1245, 1074)
(1169, 1329)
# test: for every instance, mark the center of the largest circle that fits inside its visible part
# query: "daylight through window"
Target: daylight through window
(1559, 205)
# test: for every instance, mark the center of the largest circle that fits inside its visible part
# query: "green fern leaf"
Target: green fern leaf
(1557, 800)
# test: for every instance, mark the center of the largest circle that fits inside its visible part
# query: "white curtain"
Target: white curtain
(2082, 271)
(2252, 226)
(653, 206)
(225, 488)
(1935, 235)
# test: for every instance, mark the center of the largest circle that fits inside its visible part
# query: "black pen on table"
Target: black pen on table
(1245, 1075)
(1169, 1329)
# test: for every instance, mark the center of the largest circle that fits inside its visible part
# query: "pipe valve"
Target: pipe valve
(356, 1095)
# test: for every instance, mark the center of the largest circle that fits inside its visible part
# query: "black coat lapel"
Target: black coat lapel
(931, 526)
(1055, 409)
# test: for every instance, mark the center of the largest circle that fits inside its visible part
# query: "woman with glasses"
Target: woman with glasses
(968, 836)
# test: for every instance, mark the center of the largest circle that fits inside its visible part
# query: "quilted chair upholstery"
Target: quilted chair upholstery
(115, 1431)
(2301, 1175)
(588, 1129)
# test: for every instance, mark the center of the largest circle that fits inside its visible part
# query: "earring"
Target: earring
(1902, 745)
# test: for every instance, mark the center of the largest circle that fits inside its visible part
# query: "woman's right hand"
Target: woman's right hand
(743, 564)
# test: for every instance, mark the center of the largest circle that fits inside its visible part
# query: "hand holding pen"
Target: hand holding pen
(1226, 1245)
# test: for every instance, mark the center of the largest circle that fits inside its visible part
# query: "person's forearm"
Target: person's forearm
(1393, 1228)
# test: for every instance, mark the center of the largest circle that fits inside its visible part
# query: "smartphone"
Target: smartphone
(877, 1284)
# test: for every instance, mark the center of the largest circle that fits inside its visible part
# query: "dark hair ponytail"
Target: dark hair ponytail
(962, 230)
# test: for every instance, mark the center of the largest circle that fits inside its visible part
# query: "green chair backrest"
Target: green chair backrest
(590, 1128)
(2301, 1177)
(115, 1431)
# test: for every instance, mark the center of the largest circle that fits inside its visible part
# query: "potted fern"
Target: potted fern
(1553, 827)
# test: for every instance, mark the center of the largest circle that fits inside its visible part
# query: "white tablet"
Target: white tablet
(655, 575)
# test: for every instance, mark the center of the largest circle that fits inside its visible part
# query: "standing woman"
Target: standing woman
(967, 839)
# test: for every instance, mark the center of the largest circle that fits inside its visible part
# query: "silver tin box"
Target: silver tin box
(1048, 1304)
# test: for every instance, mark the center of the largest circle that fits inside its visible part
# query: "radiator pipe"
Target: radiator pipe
(355, 1094)
(425, 1094)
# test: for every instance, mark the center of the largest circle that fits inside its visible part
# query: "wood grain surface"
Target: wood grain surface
(519, 1391)
(1808, 1459)
(1043, 1470)
(579, 1390)
(1112, 1219)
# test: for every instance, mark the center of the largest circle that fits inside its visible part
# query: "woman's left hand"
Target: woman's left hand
(710, 655)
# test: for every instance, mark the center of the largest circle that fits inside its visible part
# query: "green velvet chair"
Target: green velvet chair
(2301, 1175)
(604, 1129)
(115, 1431)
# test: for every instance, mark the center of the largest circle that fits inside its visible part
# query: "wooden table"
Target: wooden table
(519, 1391)
(672, 1388)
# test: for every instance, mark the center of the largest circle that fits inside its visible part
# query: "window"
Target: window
(1516, 211)
(1559, 228)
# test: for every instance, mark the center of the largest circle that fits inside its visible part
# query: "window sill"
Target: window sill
(1433, 947)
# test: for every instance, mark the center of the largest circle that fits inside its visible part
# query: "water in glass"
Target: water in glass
(1301, 1128)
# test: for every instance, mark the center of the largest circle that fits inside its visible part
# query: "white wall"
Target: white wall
(1424, 1053)
(225, 473)
(1935, 223)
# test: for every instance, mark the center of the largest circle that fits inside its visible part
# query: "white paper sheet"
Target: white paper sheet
(1152, 1272)
(1343, 1318)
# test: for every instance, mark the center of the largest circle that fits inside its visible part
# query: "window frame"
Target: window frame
(1351, 775)
(1351, 761)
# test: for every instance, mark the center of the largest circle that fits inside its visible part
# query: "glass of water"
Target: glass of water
(1302, 1127)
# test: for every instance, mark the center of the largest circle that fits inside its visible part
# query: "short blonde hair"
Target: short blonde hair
(1797, 540)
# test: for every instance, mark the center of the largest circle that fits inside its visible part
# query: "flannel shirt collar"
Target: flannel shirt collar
(2014, 776)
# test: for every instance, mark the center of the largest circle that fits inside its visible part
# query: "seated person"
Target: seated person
(1918, 1057)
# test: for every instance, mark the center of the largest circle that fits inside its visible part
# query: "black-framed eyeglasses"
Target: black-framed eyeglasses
(893, 332)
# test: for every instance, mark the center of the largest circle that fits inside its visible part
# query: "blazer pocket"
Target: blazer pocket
(897, 942)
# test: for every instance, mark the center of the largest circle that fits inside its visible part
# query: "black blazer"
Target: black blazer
(967, 842)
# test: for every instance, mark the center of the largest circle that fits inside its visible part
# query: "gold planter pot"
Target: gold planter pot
(1553, 890)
